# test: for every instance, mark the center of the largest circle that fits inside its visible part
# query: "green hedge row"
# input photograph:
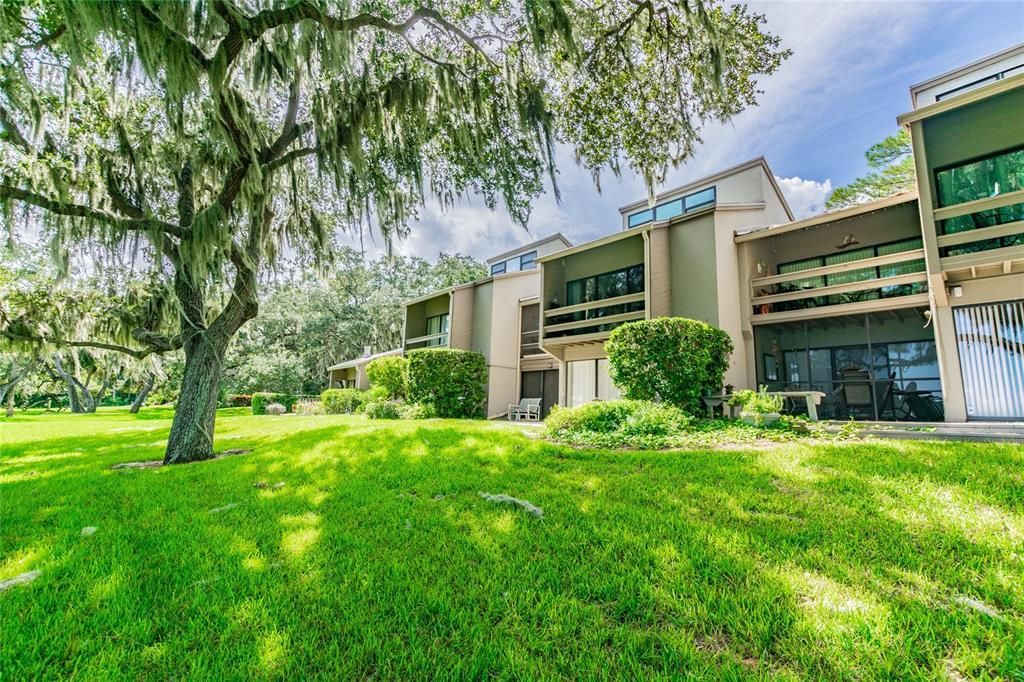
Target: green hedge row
(343, 400)
(453, 381)
(390, 374)
(261, 400)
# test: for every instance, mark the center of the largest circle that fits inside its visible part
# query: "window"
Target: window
(438, 324)
(607, 285)
(588, 380)
(528, 261)
(674, 207)
(498, 268)
(978, 179)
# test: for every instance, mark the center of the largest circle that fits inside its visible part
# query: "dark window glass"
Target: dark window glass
(528, 261)
(498, 268)
(997, 174)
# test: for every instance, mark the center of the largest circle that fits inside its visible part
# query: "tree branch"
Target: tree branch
(79, 211)
(286, 159)
(14, 135)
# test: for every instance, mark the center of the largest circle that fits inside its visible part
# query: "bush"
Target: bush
(418, 411)
(261, 400)
(382, 409)
(634, 423)
(238, 400)
(453, 381)
(342, 400)
(275, 409)
(310, 407)
(391, 374)
(757, 402)
(669, 359)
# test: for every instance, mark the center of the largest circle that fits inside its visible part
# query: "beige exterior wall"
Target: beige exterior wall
(503, 343)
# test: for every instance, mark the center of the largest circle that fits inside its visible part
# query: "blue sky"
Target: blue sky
(841, 91)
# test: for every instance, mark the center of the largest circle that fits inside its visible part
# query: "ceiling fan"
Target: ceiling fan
(848, 241)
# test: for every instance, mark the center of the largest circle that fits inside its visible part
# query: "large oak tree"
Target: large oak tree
(192, 143)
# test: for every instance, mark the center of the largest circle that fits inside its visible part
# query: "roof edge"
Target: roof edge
(826, 218)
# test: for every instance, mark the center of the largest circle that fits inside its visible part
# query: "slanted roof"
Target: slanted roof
(825, 218)
(756, 162)
(557, 236)
(364, 359)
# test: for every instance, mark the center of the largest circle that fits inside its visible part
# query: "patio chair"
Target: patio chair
(528, 409)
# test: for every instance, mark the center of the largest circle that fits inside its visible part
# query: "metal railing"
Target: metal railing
(581, 318)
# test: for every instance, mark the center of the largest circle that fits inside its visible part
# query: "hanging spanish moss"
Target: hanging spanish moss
(198, 142)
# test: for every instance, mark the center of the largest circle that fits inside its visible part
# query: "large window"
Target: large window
(673, 208)
(588, 380)
(979, 179)
(438, 324)
(851, 276)
(599, 288)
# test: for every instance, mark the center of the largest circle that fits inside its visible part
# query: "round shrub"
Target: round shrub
(391, 374)
(669, 359)
(260, 401)
(382, 409)
(654, 419)
(342, 400)
(453, 381)
(275, 409)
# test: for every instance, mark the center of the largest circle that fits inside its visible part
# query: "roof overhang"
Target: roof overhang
(827, 218)
(365, 359)
(557, 236)
(967, 98)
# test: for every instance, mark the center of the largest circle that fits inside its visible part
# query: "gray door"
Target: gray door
(541, 384)
(990, 339)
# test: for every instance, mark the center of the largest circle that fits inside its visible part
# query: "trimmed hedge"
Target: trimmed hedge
(391, 374)
(669, 359)
(261, 400)
(342, 400)
(453, 381)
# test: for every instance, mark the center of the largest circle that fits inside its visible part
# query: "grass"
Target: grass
(379, 559)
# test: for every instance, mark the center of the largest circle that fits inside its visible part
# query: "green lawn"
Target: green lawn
(379, 559)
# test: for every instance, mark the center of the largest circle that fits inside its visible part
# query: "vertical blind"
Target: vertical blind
(990, 339)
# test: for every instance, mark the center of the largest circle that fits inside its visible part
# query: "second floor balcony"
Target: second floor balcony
(427, 322)
(590, 291)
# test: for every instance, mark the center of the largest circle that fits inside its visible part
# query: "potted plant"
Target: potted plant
(758, 408)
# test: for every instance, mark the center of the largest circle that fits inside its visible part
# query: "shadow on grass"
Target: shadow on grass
(378, 558)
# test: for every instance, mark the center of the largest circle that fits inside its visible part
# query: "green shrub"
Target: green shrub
(342, 400)
(391, 374)
(757, 402)
(669, 359)
(453, 381)
(633, 423)
(310, 407)
(382, 409)
(261, 400)
(238, 400)
(418, 411)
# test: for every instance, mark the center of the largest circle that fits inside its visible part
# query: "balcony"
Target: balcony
(427, 322)
(593, 320)
(983, 232)
(895, 278)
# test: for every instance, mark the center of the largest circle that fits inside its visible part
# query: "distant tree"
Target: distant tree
(892, 170)
(194, 143)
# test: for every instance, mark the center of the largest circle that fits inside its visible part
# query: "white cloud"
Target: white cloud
(805, 197)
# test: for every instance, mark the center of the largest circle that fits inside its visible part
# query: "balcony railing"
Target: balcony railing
(594, 317)
(428, 340)
(797, 294)
(529, 343)
(995, 233)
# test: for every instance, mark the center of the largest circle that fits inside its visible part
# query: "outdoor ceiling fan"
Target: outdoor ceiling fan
(848, 241)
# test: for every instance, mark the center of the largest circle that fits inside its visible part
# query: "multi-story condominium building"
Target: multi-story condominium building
(498, 317)
(907, 308)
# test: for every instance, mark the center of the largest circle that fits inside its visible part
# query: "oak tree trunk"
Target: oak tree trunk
(147, 386)
(191, 438)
